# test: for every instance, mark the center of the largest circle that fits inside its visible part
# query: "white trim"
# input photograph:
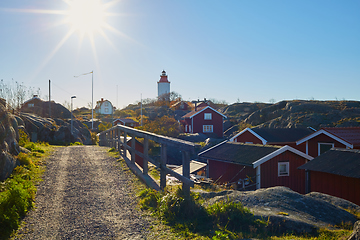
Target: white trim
(322, 131)
(324, 143)
(252, 132)
(192, 126)
(207, 108)
(287, 166)
(258, 177)
(279, 151)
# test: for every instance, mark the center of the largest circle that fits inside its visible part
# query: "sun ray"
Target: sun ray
(52, 54)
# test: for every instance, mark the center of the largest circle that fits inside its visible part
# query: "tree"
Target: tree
(163, 126)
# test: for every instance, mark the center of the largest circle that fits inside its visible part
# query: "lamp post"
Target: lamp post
(92, 96)
(72, 114)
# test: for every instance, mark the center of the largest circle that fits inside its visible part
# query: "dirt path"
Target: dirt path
(84, 195)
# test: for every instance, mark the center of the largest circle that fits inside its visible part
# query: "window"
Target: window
(207, 128)
(30, 105)
(323, 147)
(283, 169)
(207, 116)
(106, 110)
(106, 104)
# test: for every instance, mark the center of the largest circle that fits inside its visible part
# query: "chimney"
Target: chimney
(102, 99)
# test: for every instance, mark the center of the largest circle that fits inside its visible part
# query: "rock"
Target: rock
(9, 137)
(55, 131)
(356, 232)
(7, 165)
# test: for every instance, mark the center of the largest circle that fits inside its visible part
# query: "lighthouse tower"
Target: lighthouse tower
(163, 85)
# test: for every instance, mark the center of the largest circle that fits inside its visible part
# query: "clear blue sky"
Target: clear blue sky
(228, 50)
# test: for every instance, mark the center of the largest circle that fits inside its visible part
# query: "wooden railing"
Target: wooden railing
(118, 137)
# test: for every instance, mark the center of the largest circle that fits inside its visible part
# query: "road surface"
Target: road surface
(85, 195)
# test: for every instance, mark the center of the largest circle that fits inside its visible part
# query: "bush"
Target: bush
(24, 159)
(23, 138)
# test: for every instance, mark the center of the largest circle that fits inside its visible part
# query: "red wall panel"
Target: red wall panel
(223, 172)
(248, 137)
(296, 178)
(336, 185)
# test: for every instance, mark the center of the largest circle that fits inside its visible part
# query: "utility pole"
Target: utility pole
(49, 99)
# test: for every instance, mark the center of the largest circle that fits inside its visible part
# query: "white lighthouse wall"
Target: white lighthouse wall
(163, 88)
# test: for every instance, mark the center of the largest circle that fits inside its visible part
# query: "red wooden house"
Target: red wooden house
(256, 166)
(126, 122)
(335, 172)
(273, 136)
(327, 138)
(204, 120)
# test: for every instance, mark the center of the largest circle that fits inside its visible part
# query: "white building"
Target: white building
(163, 85)
(104, 107)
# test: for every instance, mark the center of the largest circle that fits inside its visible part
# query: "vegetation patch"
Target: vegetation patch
(17, 193)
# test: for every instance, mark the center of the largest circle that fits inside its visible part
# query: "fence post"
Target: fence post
(146, 155)
(186, 171)
(133, 154)
(163, 158)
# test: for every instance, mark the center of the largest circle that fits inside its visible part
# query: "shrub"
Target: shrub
(23, 138)
(24, 159)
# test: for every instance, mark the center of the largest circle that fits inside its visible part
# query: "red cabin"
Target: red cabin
(204, 120)
(336, 172)
(273, 136)
(254, 166)
(327, 138)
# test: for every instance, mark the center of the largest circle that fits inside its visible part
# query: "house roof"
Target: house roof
(247, 154)
(338, 161)
(125, 120)
(240, 153)
(349, 136)
(199, 110)
(277, 135)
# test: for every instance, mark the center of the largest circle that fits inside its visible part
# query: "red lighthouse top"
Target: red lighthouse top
(163, 77)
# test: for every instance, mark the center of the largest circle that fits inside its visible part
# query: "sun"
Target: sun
(86, 17)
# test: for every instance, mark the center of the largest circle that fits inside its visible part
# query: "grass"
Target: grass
(17, 193)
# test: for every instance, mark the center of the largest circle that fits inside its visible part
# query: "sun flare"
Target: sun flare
(86, 16)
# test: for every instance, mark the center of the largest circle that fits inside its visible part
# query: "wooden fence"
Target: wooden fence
(118, 137)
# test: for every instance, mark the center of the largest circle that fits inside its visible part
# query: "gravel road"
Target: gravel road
(84, 195)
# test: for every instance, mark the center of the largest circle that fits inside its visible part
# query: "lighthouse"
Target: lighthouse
(163, 86)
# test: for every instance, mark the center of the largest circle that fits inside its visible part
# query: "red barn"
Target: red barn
(256, 166)
(204, 120)
(337, 173)
(327, 138)
(273, 136)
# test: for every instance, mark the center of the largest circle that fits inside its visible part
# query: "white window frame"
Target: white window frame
(208, 128)
(186, 128)
(324, 143)
(287, 166)
(207, 116)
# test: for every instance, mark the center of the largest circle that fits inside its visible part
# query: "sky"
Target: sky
(232, 50)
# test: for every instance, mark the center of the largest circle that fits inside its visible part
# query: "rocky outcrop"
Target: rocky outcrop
(301, 113)
(9, 137)
(356, 232)
(55, 131)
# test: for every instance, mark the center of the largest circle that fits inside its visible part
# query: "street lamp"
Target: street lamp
(72, 114)
(92, 96)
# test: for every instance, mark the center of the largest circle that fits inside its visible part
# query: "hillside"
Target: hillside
(295, 113)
